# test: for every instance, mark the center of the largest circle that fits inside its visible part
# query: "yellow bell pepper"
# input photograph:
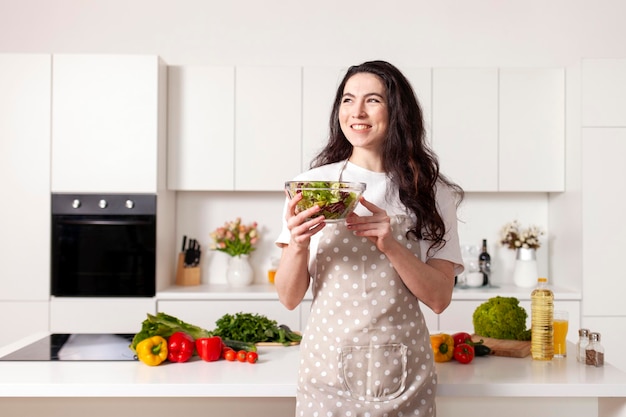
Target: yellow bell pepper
(443, 347)
(152, 351)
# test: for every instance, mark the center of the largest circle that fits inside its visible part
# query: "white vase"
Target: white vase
(239, 272)
(525, 273)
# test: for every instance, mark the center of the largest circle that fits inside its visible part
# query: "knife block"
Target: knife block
(186, 276)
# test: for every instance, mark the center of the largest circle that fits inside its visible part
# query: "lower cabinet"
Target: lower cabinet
(204, 313)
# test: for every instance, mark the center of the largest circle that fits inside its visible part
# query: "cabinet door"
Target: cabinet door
(205, 313)
(105, 126)
(465, 126)
(532, 130)
(268, 137)
(604, 92)
(421, 80)
(25, 176)
(603, 226)
(319, 85)
(201, 128)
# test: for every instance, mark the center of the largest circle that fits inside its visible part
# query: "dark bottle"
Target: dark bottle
(484, 263)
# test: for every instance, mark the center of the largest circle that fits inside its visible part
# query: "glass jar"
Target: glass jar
(594, 352)
(581, 345)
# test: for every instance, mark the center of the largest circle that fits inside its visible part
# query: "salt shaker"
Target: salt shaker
(594, 352)
(583, 341)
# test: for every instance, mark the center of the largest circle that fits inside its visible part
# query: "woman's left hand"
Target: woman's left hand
(376, 227)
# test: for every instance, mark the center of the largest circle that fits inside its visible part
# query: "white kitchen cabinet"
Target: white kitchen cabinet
(421, 80)
(99, 315)
(532, 130)
(204, 313)
(603, 228)
(500, 130)
(268, 127)
(604, 92)
(465, 126)
(108, 123)
(319, 85)
(25, 179)
(201, 128)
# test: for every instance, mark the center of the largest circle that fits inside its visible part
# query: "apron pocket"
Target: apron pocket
(373, 372)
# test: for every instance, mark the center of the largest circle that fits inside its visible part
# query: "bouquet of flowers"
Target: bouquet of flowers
(513, 237)
(235, 238)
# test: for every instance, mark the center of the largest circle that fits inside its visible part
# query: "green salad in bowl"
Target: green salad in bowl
(336, 199)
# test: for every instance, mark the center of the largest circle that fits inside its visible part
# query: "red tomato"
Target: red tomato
(252, 357)
(230, 355)
(225, 350)
(461, 337)
(242, 356)
(464, 353)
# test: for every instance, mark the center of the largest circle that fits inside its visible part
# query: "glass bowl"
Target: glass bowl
(336, 198)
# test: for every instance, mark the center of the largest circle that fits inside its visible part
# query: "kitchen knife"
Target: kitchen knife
(184, 243)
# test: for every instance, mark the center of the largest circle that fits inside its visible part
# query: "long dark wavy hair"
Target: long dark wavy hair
(407, 158)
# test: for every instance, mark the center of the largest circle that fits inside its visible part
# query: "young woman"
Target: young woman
(366, 349)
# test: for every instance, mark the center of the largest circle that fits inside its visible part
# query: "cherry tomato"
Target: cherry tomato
(242, 356)
(252, 357)
(230, 355)
(225, 351)
(464, 353)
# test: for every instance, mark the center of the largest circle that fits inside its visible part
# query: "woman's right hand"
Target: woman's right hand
(299, 227)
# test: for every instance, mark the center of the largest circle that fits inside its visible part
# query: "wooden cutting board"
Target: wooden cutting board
(506, 348)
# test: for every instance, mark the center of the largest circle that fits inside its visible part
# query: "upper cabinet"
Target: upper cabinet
(532, 130)
(500, 130)
(465, 126)
(268, 127)
(108, 123)
(234, 129)
(201, 128)
(492, 129)
(25, 178)
(604, 92)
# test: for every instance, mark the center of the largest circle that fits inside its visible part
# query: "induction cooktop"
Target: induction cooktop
(76, 347)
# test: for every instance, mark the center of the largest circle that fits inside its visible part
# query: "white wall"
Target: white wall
(409, 33)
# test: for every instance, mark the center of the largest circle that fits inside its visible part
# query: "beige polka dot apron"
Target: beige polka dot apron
(366, 349)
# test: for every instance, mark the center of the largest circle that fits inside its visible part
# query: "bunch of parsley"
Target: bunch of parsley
(254, 328)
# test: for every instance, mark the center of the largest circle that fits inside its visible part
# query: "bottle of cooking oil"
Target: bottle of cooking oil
(541, 315)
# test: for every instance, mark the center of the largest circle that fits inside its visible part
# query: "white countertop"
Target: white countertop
(268, 292)
(275, 376)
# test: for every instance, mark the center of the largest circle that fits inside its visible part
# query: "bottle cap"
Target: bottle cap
(542, 279)
(583, 332)
(594, 337)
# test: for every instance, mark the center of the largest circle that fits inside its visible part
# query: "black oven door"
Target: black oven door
(103, 255)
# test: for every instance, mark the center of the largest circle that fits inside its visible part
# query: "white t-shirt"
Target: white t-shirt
(383, 193)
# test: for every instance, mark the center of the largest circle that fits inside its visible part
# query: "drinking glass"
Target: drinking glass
(560, 325)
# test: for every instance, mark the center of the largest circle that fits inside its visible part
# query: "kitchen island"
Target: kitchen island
(517, 387)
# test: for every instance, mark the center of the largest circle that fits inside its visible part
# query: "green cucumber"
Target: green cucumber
(237, 345)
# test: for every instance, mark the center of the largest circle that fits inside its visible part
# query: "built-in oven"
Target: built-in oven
(103, 245)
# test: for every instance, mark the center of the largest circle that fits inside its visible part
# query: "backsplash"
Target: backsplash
(481, 216)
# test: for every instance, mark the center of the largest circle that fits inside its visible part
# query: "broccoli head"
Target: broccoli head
(501, 318)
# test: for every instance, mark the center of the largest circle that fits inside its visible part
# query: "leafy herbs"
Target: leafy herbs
(254, 328)
(334, 198)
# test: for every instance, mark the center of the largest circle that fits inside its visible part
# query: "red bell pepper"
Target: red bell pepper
(180, 347)
(209, 348)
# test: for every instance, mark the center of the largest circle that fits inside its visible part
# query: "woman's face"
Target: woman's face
(363, 112)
